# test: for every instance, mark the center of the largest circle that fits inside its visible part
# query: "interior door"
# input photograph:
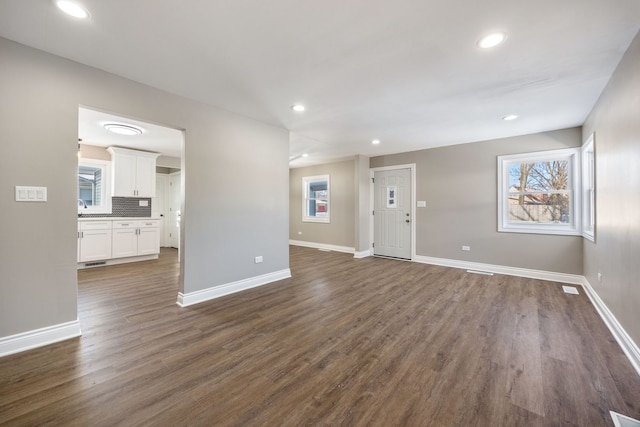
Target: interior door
(158, 206)
(392, 213)
(174, 209)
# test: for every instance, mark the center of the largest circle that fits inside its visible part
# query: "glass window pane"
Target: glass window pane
(90, 185)
(539, 207)
(539, 176)
(316, 198)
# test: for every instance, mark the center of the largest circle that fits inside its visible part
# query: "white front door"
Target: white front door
(392, 213)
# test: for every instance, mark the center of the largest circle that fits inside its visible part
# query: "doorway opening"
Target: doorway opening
(133, 173)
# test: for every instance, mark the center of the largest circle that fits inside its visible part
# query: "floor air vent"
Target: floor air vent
(570, 290)
(93, 264)
(484, 273)
(620, 420)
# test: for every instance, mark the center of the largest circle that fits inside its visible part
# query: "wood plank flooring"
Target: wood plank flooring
(369, 342)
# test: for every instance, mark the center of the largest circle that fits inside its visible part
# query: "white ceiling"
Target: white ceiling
(155, 138)
(407, 72)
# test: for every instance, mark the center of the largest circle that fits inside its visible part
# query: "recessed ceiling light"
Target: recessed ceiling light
(305, 155)
(375, 141)
(72, 9)
(121, 129)
(492, 40)
(510, 117)
(298, 108)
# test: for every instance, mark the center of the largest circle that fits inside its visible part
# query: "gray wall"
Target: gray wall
(235, 178)
(616, 253)
(341, 230)
(362, 180)
(459, 184)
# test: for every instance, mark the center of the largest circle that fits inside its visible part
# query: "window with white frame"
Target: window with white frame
(588, 190)
(316, 198)
(537, 192)
(94, 186)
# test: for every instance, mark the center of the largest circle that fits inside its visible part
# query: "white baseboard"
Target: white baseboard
(362, 254)
(196, 297)
(39, 337)
(574, 279)
(323, 246)
(629, 347)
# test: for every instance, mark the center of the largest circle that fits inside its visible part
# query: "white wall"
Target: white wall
(235, 176)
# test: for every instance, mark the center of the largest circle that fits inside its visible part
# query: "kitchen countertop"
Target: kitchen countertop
(115, 218)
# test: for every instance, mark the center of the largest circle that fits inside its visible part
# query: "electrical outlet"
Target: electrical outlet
(600, 277)
(466, 248)
(258, 259)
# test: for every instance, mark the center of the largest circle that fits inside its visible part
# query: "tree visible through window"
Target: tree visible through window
(537, 194)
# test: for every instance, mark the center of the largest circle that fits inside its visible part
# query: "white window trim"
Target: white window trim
(106, 177)
(572, 228)
(588, 188)
(305, 187)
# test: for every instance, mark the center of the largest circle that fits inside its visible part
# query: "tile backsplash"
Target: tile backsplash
(122, 207)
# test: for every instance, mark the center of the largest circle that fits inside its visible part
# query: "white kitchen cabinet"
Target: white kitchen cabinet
(125, 239)
(94, 241)
(135, 238)
(148, 237)
(133, 173)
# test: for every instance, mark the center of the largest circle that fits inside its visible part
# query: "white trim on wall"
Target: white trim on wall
(323, 246)
(185, 300)
(362, 254)
(39, 337)
(629, 347)
(574, 279)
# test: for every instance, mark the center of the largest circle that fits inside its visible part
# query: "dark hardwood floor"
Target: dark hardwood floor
(370, 342)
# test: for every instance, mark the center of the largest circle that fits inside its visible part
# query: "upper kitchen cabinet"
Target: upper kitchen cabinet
(134, 173)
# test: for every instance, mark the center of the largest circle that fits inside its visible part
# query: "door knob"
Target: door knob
(406, 220)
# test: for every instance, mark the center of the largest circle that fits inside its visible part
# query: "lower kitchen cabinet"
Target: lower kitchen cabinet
(135, 238)
(94, 241)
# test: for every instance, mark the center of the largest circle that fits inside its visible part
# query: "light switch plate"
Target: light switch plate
(422, 204)
(31, 194)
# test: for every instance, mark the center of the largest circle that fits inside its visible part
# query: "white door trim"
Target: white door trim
(372, 171)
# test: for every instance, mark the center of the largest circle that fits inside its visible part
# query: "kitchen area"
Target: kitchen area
(129, 189)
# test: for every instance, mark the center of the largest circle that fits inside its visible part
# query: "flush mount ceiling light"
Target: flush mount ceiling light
(298, 108)
(510, 117)
(72, 9)
(375, 141)
(305, 155)
(121, 129)
(492, 40)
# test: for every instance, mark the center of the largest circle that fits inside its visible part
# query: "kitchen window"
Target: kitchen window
(94, 186)
(316, 199)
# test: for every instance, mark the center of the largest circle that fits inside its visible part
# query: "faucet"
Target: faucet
(80, 201)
